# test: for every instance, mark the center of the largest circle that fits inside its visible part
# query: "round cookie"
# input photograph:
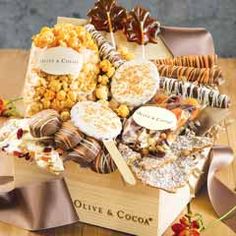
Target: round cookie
(103, 163)
(86, 151)
(45, 123)
(135, 82)
(68, 136)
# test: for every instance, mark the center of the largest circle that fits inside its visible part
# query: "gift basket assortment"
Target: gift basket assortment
(91, 101)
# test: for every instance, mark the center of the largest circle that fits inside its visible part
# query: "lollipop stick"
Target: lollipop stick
(119, 161)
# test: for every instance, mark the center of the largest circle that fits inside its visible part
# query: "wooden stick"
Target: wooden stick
(120, 162)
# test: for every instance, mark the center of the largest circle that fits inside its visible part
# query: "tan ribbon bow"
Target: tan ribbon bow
(37, 206)
(222, 198)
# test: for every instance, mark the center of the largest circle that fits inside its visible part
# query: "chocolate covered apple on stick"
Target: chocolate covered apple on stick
(141, 28)
(106, 15)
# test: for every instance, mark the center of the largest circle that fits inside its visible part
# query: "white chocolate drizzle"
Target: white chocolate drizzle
(106, 50)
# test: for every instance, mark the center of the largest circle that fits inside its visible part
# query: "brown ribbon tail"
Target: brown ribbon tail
(38, 206)
(222, 198)
(187, 41)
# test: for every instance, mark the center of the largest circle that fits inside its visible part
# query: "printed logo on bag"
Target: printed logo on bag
(155, 118)
(120, 214)
(60, 61)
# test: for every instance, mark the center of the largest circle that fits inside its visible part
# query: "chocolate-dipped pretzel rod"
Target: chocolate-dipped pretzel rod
(210, 76)
(106, 50)
(202, 61)
(202, 93)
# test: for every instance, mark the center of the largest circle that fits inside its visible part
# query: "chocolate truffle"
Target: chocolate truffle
(103, 163)
(86, 151)
(68, 136)
(45, 123)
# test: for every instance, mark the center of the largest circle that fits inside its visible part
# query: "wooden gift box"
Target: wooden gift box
(105, 200)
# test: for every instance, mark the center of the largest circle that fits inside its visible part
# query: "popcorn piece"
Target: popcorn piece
(61, 95)
(113, 104)
(122, 111)
(103, 79)
(72, 96)
(65, 115)
(55, 85)
(111, 72)
(49, 94)
(105, 65)
(46, 103)
(102, 92)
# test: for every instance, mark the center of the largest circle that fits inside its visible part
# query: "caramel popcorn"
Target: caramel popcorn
(102, 92)
(113, 104)
(66, 35)
(103, 79)
(65, 115)
(111, 72)
(105, 65)
(122, 111)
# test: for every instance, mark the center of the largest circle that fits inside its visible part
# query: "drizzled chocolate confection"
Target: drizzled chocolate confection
(209, 76)
(106, 50)
(103, 163)
(197, 61)
(45, 123)
(68, 136)
(206, 95)
(86, 152)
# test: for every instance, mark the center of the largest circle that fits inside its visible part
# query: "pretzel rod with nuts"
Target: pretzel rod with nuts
(202, 61)
(106, 50)
(205, 95)
(209, 76)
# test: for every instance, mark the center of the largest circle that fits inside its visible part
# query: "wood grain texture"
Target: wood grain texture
(201, 204)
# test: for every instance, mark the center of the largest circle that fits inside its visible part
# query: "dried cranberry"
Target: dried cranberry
(19, 133)
(27, 156)
(47, 149)
(18, 154)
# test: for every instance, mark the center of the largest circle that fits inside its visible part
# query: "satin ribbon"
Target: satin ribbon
(36, 206)
(187, 41)
(222, 198)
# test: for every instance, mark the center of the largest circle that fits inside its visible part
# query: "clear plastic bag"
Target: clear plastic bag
(63, 69)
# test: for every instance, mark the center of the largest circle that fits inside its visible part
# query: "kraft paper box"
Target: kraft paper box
(104, 200)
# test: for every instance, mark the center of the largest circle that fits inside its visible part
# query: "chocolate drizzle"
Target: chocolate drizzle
(106, 50)
(209, 76)
(205, 95)
(201, 61)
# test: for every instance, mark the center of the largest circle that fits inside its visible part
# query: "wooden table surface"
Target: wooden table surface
(200, 204)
